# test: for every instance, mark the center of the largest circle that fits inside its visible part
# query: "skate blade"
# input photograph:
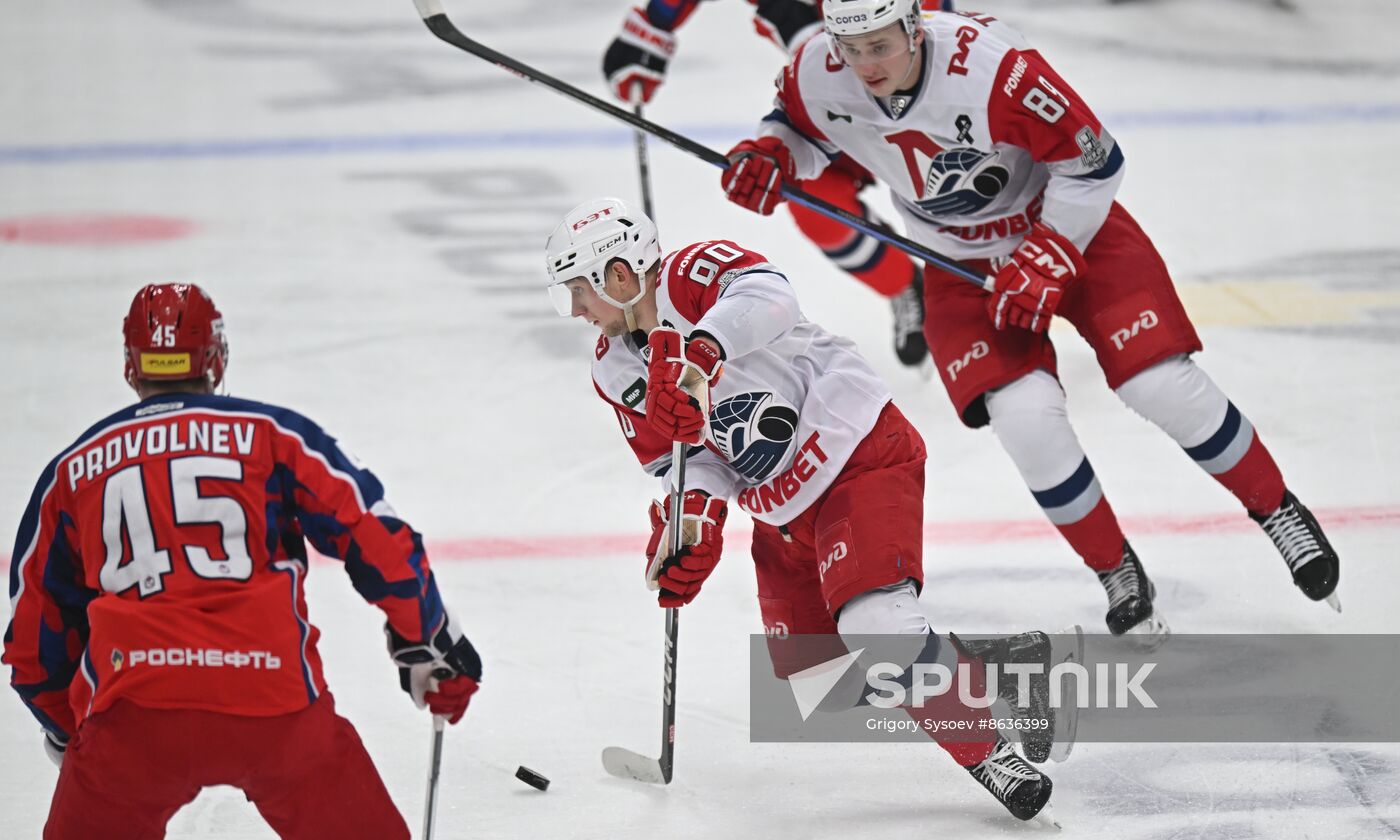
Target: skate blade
(1046, 819)
(1150, 634)
(1334, 602)
(1067, 719)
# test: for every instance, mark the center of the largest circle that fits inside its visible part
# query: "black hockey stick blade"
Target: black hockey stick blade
(435, 17)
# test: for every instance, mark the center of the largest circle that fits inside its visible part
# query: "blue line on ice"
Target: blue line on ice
(605, 138)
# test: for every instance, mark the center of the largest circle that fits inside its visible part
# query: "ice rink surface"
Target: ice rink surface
(368, 207)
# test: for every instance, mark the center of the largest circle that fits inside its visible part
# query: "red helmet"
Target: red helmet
(174, 332)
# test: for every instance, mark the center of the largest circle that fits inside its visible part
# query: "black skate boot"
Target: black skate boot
(1033, 648)
(1130, 596)
(1022, 789)
(908, 306)
(1305, 548)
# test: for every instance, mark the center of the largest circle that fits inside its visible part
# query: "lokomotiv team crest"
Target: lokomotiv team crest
(754, 432)
(962, 180)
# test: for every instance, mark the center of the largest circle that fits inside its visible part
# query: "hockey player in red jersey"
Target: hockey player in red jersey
(993, 159)
(635, 66)
(709, 347)
(160, 631)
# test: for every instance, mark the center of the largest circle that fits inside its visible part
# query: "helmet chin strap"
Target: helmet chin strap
(914, 58)
(626, 305)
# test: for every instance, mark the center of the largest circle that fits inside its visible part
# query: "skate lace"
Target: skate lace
(908, 314)
(1121, 583)
(1295, 540)
(1003, 771)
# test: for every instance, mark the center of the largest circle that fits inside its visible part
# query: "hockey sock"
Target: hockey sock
(945, 718)
(1255, 478)
(1180, 398)
(1030, 418)
(965, 731)
(1095, 537)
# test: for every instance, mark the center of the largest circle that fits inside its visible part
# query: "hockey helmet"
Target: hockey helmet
(591, 236)
(174, 332)
(848, 18)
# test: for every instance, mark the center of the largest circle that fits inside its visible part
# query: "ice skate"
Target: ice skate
(1034, 648)
(1022, 789)
(1130, 609)
(908, 307)
(1305, 549)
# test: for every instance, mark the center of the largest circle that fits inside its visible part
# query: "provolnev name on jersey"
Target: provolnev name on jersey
(192, 434)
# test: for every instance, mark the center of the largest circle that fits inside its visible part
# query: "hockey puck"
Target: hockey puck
(531, 778)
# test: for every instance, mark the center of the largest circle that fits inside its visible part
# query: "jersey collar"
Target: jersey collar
(896, 106)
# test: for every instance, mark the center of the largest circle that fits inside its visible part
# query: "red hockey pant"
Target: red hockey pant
(131, 768)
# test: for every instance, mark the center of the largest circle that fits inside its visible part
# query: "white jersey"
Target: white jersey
(793, 401)
(990, 141)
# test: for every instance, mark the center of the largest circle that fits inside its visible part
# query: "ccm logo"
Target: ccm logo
(979, 350)
(837, 552)
(1146, 321)
(603, 247)
(777, 630)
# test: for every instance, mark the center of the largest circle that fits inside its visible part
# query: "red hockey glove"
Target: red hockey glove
(679, 377)
(679, 577)
(635, 63)
(1028, 288)
(441, 674)
(756, 172)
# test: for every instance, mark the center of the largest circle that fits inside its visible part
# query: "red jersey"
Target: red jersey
(161, 561)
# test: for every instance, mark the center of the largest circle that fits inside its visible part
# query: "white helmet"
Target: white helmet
(861, 17)
(592, 235)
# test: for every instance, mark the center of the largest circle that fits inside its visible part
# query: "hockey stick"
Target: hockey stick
(626, 764)
(643, 167)
(434, 773)
(438, 23)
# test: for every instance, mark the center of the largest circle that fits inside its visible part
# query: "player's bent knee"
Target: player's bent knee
(1028, 414)
(1179, 397)
(889, 610)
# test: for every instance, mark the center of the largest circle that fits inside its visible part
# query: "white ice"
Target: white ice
(369, 208)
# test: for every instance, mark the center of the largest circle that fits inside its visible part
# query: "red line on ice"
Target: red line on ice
(976, 532)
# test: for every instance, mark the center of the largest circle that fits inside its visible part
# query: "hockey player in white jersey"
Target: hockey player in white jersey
(635, 66)
(709, 347)
(994, 160)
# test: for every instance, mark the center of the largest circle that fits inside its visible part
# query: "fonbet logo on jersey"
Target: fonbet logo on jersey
(962, 180)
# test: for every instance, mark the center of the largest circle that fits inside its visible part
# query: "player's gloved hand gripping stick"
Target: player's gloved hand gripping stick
(435, 16)
(441, 674)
